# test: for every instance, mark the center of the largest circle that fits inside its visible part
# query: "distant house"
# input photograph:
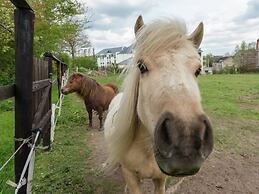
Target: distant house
(121, 56)
(114, 55)
(124, 63)
(85, 51)
(221, 62)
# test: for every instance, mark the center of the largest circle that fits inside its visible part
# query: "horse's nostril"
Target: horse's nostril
(165, 133)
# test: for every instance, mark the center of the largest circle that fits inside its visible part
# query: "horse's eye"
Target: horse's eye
(198, 72)
(142, 67)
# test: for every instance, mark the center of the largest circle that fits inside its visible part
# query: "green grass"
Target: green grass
(111, 78)
(224, 95)
(7, 140)
(66, 168)
(6, 143)
(231, 101)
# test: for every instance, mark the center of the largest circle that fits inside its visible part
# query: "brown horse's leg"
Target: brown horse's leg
(132, 181)
(100, 113)
(90, 113)
(159, 185)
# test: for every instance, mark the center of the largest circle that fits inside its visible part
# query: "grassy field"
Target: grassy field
(6, 142)
(231, 101)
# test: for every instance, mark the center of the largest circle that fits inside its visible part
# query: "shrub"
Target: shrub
(85, 62)
(82, 69)
(7, 75)
(7, 105)
(226, 70)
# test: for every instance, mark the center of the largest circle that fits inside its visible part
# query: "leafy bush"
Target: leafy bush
(7, 105)
(82, 69)
(7, 75)
(114, 68)
(86, 62)
(65, 58)
(226, 70)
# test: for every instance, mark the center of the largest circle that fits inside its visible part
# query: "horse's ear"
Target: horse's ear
(139, 23)
(197, 35)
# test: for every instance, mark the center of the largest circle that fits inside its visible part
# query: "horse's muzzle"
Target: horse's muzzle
(181, 147)
(64, 91)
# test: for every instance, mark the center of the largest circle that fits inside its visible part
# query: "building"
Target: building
(200, 52)
(121, 56)
(85, 52)
(115, 55)
(221, 62)
(124, 63)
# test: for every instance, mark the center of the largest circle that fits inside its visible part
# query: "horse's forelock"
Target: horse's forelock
(160, 36)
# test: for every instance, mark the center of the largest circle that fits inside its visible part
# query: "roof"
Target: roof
(110, 50)
(127, 50)
(221, 58)
(125, 62)
(121, 50)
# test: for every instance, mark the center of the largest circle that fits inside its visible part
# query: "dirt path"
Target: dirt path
(222, 173)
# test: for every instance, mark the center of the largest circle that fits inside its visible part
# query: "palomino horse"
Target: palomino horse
(157, 126)
(96, 97)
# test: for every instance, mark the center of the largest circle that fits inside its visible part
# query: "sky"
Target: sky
(226, 22)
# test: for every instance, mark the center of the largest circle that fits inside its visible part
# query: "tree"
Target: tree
(74, 39)
(208, 60)
(6, 26)
(6, 43)
(55, 21)
(243, 54)
(75, 36)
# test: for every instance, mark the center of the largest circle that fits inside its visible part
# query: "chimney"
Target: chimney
(257, 44)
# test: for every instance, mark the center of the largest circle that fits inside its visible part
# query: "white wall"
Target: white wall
(109, 58)
(88, 51)
(122, 57)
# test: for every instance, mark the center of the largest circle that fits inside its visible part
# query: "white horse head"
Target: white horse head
(161, 93)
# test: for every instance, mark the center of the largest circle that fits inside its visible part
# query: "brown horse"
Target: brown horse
(96, 97)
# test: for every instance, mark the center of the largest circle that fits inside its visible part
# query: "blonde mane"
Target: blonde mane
(155, 39)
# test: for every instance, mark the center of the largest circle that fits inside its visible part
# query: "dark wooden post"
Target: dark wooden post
(47, 132)
(59, 76)
(24, 27)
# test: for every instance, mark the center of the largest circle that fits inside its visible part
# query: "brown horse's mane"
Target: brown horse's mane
(87, 85)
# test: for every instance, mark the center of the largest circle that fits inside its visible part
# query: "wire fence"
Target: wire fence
(29, 164)
(57, 106)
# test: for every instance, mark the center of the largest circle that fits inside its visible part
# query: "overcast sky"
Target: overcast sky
(226, 22)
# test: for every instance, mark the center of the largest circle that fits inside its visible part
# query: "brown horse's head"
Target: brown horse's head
(169, 103)
(74, 84)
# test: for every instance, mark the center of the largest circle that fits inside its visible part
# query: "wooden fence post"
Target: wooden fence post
(47, 133)
(24, 28)
(59, 77)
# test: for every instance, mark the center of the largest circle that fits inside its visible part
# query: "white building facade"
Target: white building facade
(111, 56)
(85, 52)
